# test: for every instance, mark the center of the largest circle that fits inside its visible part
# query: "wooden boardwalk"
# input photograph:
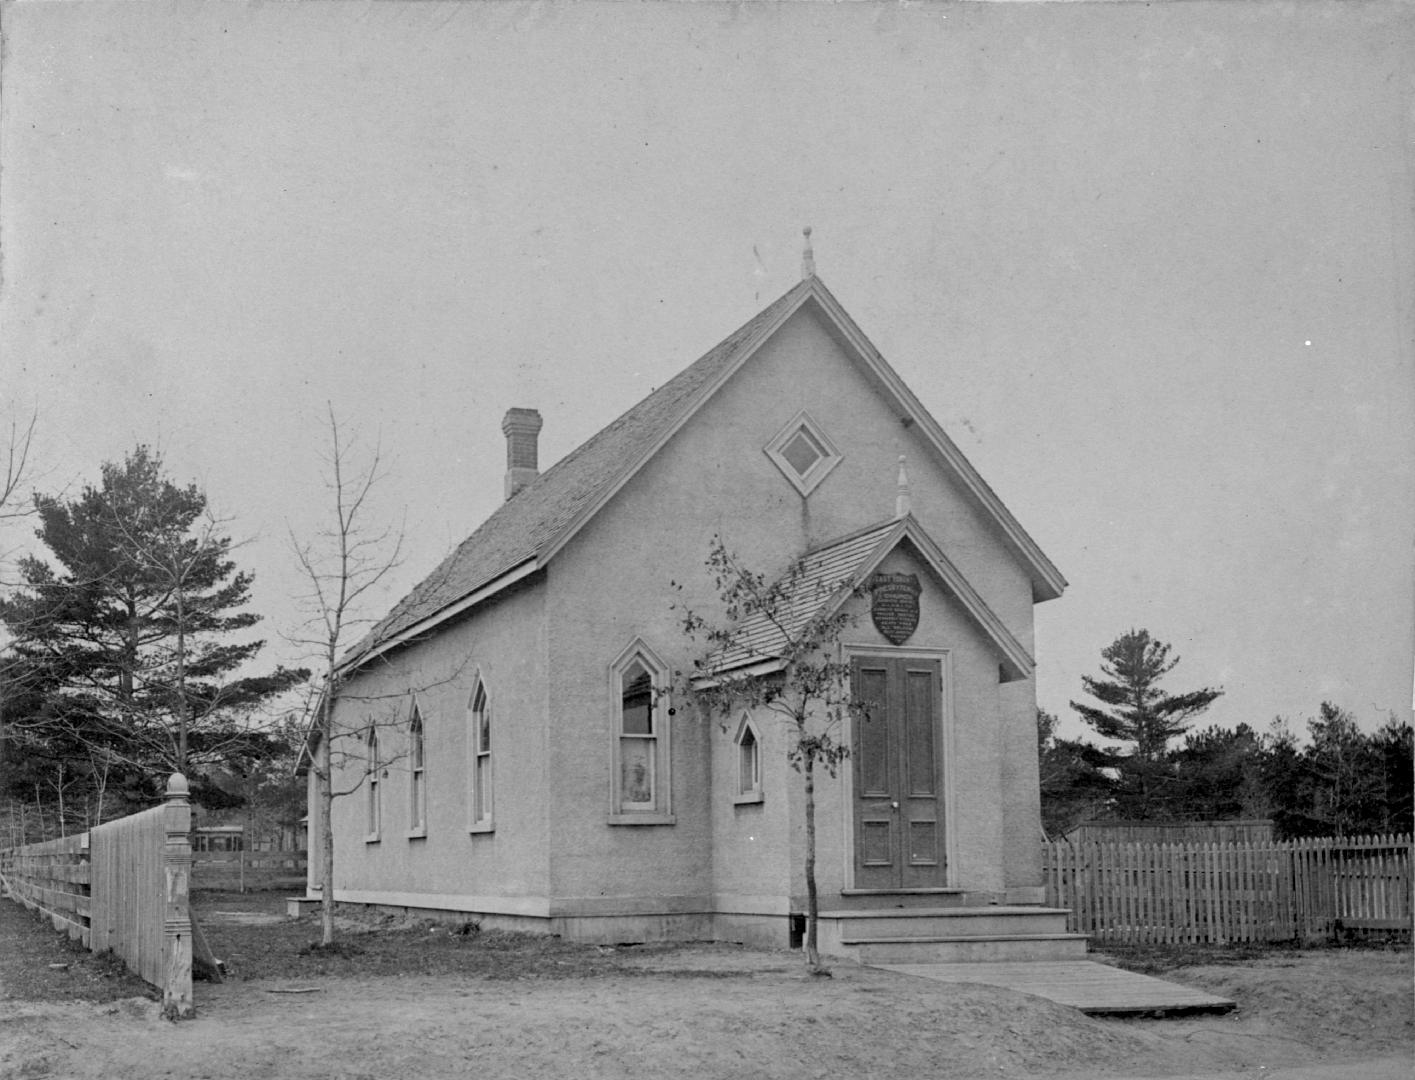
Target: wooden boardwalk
(1097, 989)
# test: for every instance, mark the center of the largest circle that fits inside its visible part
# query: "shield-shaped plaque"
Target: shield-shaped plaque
(894, 605)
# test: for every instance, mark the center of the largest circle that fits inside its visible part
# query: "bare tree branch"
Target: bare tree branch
(342, 565)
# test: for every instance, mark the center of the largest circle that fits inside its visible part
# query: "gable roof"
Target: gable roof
(525, 532)
(827, 577)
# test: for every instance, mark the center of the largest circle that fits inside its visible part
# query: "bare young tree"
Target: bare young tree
(796, 621)
(349, 558)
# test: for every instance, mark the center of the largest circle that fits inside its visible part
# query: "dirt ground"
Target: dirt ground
(495, 1006)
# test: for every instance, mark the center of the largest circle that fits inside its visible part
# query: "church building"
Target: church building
(530, 763)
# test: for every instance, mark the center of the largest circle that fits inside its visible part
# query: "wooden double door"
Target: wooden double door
(897, 754)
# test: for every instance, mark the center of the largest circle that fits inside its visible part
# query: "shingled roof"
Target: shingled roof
(529, 528)
(826, 577)
(539, 514)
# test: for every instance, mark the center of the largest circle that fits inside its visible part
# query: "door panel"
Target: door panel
(873, 780)
(919, 720)
(899, 840)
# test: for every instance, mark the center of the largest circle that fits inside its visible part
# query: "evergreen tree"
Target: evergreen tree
(129, 641)
(1289, 784)
(1075, 786)
(1136, 713)
(1346, 770)
(1395, 750)
(1219, 775)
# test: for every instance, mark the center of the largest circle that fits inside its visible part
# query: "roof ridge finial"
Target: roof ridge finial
(901, 492)
(808, 257)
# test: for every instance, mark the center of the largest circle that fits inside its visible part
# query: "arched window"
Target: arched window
(479, 764)
(749, 763)
(375, 786)
(642, 731)
(417, 783)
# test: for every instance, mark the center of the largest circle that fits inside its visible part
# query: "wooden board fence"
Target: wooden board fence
(249, 870)
(1228, 892)
(1254, 830)
(53, 879)
(121, 886)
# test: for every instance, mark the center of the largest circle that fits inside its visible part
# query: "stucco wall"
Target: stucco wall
(751, 858)
(546, 652)
(505, 868)
(611, 584)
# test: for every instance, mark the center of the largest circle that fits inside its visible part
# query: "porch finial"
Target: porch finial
(808, 257)
(901, 492)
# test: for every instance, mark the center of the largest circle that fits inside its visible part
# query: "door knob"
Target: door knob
(895, 805)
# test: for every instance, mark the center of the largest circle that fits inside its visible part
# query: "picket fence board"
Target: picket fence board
(1147, 893)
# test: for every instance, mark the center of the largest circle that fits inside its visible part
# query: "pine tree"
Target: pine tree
(1346, 767)
(1074, 783)
(130, 639)
(1220, 774)
(1142, 717)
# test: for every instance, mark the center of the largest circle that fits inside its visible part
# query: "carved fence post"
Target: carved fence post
(177, 922)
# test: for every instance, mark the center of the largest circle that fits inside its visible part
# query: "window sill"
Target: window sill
(372, 838)
(642, 819)
(748, 799)
(482, 827)
(417, 834)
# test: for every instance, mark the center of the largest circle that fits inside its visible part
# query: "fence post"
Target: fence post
(177, 923)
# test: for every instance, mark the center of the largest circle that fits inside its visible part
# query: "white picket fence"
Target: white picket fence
(1143, 893)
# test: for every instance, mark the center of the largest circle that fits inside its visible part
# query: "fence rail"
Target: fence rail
(52, 877)
(249, 870)
(121, 886)
(1225, 892)
(1246, 831)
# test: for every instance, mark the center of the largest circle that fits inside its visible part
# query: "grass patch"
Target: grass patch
(38, 963)
(1157, 959)
(386, 945)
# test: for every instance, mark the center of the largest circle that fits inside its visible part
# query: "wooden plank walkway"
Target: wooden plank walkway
(1096, 989)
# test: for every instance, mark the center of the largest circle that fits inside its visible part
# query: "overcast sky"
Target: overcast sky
(1149, 265)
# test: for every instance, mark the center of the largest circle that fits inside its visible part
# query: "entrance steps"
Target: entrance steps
(943, 935)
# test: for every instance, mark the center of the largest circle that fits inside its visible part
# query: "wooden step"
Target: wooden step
(970, 948)
(948, 922)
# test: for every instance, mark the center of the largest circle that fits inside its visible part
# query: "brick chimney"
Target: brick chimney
(521, 427)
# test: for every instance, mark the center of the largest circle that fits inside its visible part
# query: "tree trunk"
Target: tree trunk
(813, 958)
(325, 778)
(183, 713)
(59, 788)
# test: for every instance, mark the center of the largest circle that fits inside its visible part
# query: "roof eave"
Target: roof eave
(547, 550)
(1017, 662)
(1047, 581)
(751, 668)
(428, 623)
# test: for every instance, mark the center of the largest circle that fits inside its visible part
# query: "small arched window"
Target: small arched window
(749, 762)
(417, 782)
(479, 765)
(375, 786)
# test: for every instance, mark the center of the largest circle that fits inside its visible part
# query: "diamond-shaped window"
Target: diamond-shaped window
(803, 453)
